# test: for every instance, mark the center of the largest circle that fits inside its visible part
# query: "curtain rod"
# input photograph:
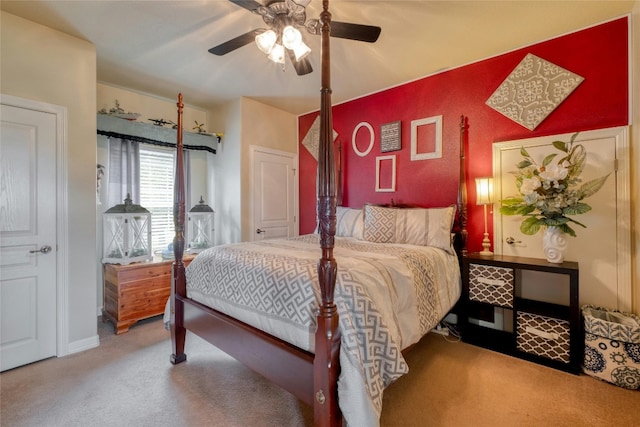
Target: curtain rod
(144, 140)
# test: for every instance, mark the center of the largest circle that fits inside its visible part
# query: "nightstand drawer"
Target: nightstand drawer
(492, 285)
(543, 336)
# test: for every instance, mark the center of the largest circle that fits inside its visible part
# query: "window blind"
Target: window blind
(156, 193)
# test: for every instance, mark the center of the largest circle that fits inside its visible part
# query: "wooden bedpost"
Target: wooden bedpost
(462, 189)
(326, 365)
(178, 279)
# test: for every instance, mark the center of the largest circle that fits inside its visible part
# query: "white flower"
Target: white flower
(554, 173)
(529, 185)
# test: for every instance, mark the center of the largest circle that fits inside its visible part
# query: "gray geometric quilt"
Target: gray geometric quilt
(276, 280)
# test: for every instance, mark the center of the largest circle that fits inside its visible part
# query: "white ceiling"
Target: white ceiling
(160, 47)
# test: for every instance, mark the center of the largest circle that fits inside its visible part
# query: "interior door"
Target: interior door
(273, 194)
(27, 236)
(602, 249)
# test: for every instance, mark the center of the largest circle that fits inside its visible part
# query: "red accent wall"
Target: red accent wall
(599, 54)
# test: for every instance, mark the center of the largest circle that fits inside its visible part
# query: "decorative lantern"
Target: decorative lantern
(200, 227)
(126, 234)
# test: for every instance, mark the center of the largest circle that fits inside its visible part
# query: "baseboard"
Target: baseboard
(84, 344)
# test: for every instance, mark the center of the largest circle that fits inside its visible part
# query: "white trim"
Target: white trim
(84, 344)
(62, 220)
(623, 199)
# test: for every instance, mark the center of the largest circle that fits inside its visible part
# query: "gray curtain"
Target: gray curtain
(123, 171)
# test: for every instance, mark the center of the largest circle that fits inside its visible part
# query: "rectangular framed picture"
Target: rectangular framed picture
(386, 174)
(426, 138)
(390, 137)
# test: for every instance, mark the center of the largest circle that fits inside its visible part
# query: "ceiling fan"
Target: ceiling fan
(283, 18)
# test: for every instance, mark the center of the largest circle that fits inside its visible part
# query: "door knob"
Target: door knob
(260, 231)
(510, 240)
(45, 249)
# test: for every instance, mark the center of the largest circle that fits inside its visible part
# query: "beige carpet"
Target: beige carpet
(128, 381)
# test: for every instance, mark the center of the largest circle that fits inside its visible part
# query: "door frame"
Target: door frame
(623, 195)
(62, 220)
(256, 148)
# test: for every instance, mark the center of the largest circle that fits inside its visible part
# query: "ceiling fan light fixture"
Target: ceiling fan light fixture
(277, 54)
(301, 51)
(266, 41)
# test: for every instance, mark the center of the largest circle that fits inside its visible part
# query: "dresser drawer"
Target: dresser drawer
(492, 285)
(543, 336)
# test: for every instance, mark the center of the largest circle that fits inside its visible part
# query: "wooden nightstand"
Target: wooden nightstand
(136, 291)
(540, 331)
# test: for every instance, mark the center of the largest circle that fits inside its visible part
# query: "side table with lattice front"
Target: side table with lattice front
(500, 309)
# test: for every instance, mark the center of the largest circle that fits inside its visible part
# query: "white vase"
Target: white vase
(554, 243)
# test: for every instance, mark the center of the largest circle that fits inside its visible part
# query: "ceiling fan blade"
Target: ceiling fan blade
(302, 67)
(363, 33)
(247, 4)
(235, 43)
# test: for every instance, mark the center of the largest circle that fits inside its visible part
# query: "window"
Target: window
(156, 193)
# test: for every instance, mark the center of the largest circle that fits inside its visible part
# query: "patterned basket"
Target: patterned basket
(612, 346)
(493, 285)
(543, 336)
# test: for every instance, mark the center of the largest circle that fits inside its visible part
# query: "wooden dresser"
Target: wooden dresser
(136, 291)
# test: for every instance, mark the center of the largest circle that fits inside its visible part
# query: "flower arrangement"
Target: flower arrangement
(552, 192)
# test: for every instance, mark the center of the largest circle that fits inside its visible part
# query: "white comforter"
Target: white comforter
(388, 296)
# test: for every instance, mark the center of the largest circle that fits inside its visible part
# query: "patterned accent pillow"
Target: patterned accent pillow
(349, 223)
(415, 226)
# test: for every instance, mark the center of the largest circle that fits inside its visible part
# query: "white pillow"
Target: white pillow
(416, 226)
(349, 222)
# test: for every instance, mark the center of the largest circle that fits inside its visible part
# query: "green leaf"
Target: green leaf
(511, 201)
(573, 137)
(530, 226)
(556, 221)
(526, 209)
(589, 188)
(508, 210)
(524, 163)
(523, 152)
(577, 209)
(548, 159)
(560, 145)
(576, 222)
(568, 230)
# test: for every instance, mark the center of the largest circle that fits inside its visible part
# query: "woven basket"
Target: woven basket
(612, 346)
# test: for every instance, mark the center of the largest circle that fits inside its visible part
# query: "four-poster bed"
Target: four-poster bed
(306, 358)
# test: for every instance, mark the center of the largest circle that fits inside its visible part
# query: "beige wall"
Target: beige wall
(268, 127)
(245, 122)
(227, 176)
(635, 156)
(48, 66)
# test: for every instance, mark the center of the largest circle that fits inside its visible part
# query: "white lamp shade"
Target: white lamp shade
(277, 54)
(301, 51)
(291, 37)
(484, 191)
(266, 41)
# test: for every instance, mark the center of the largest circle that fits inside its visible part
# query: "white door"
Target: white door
(27, 236)
(274, 195)
(602, 249)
